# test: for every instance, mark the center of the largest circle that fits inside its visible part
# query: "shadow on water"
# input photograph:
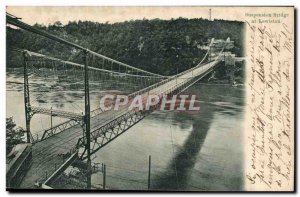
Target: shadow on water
(176, 177)
(224, 100)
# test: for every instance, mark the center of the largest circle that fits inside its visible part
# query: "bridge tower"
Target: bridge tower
(87, 117)
(229, 61)
(28, 115)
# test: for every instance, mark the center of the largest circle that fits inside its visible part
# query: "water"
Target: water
(189, 151)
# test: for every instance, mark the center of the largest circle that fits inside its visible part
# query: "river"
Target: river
(200, 151)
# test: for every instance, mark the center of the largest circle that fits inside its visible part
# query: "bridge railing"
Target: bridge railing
(53, 167)
(119, 117)
(148, 89)
(58, 128)
(171, 77)
(116, 118)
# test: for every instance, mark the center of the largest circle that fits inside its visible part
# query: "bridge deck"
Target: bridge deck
(47, 154)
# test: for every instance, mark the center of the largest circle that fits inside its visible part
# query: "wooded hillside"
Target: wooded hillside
(158, 46)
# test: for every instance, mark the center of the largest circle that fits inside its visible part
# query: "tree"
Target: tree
(58, 24)
(153, 45)
(14, 135)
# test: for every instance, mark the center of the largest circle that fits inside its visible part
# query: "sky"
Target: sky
(49, 14)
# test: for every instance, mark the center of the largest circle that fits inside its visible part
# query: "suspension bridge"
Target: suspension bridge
(83, 134)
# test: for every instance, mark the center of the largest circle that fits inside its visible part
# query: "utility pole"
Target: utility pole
(104, 176)
(209, 53)
(87, 117)
(51, 120)
(26, 97)
(149, 172)
(176, 73)
(210, 14)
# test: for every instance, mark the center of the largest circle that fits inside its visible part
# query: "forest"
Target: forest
(159, 46)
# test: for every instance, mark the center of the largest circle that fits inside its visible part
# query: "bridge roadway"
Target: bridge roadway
(47, 154)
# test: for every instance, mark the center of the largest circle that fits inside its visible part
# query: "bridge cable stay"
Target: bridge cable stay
(50, 77)
(96, 73)
(106, 133)
(58, 76)
(77, 136)
(73, 137)
(15, 21)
